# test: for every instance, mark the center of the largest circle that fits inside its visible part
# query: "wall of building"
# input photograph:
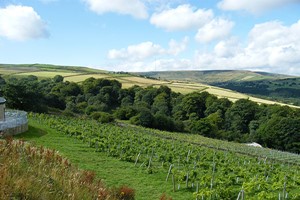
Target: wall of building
(15, 122)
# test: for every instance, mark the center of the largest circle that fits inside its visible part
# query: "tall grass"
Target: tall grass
(28, 172)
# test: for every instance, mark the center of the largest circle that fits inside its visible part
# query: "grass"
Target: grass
(47, 74)
(186, 85)
(82, 77)
(112, 171)
(28, 172)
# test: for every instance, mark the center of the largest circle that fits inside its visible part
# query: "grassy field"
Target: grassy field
(79, 74)
(210, 76)
(112, 171)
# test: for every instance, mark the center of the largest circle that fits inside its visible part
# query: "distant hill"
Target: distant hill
(275, 87)
(283, 90)
(186, 82)
(213, 76)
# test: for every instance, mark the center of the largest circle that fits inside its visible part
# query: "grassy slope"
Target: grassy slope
(78, 74)
(213, 75)
(28, 172)
(111, 170)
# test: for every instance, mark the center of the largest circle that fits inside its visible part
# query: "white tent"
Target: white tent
(254, 144)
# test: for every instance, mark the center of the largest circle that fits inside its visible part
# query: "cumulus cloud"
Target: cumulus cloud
(215, 29)
(157, 65)
(227, 48)
(271, 46)
(135, 8)
(183, 17)
(136, 52)
(253, 6)
(147, 50)
(21, 23)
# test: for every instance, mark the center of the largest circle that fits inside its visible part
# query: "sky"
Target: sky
(153, 35)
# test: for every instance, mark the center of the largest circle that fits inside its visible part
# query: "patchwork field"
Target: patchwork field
(79, 74)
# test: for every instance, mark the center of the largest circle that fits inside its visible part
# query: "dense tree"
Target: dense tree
(202, 127)
(23, 94)
(195, 103)
(239, 116)
(281, 133)
(144, 118)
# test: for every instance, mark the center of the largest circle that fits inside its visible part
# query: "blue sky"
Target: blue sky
(148, 35)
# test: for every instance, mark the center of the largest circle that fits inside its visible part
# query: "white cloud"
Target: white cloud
(271, 46)
(135, 8)
(254, 6)
(147, 50)
(136, 52)
(183, 17)
(216, 29)
(21, 23)
(177, 47)
(227, 48)
(157, 65)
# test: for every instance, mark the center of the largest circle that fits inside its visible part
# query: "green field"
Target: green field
(213, 76)
(79, 74)
(141, 158)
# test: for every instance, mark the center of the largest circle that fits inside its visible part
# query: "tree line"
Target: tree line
(273, 126)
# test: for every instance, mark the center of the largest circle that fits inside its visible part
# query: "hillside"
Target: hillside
(79, 74)
(213, 76)
(274, 87)
(184, 166)
(285, 90)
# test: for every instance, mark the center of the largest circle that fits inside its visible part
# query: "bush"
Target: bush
(163, 122)
(124, 113)
(124, 193)
(102, 117)
(144, 118)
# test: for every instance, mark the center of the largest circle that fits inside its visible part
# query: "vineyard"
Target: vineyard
(208, 169)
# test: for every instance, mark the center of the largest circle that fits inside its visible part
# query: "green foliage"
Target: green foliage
(125, 113)
(197, 112)
(23, 94)
(240, 115)
(144, 118)
(202, 127)
(163, 122)
(102, 117)
(58, 78)
(281, 133)
(286, 90)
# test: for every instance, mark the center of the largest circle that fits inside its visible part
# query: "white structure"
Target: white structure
(254, 144)
(12, 122)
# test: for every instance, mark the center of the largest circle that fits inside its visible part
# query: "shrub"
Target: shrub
(102, 117)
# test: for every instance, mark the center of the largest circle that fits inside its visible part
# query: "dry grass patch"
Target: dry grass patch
(28, 172)
(82, 77)
(48, 74)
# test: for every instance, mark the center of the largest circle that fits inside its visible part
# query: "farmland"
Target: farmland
(79, 74)
(96, 124)
(182, 166)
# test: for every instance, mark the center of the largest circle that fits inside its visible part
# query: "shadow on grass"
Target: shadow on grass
(33, 132)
